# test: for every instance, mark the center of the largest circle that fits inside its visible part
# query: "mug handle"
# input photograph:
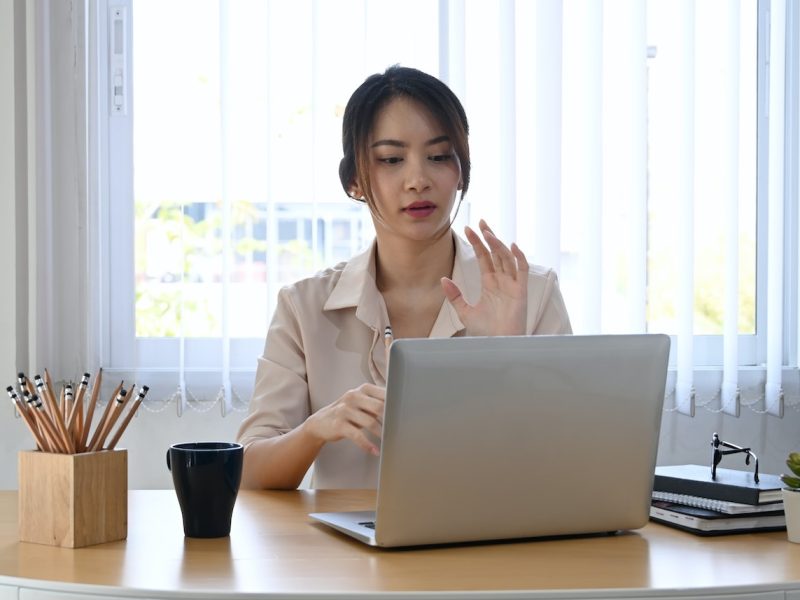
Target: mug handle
(169, 466)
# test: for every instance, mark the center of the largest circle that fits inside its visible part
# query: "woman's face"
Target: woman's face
(413, 170)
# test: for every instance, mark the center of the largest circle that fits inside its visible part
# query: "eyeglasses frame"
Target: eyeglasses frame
(717, 455)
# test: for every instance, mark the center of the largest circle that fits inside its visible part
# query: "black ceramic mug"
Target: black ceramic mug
(206, 477)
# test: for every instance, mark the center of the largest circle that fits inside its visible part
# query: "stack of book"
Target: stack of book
(685, 496)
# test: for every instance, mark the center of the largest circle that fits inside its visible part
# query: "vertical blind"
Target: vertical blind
(614, 141)
(775, 180)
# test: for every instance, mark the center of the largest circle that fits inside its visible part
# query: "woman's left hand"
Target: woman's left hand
(502, 308)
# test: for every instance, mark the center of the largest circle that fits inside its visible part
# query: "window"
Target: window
(608, 140)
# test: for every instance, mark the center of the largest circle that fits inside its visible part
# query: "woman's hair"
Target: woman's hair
(371, 96)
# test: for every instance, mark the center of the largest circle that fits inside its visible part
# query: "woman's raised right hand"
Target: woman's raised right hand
(357, 411)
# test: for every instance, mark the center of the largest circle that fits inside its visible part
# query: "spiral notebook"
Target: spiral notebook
(722, 506)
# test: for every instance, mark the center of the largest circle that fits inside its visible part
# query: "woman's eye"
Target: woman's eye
(390, 160)
(441, 157)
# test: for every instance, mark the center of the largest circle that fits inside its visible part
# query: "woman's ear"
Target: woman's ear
(460, 173)
(355, 192)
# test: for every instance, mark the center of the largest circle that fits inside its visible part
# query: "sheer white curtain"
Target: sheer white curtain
(775, 207)
(51, 281)
(614, 141)
(658, 134)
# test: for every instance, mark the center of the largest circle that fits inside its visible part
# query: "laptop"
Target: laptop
(497, 438)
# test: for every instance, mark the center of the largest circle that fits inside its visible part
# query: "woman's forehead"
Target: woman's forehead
(405, 119)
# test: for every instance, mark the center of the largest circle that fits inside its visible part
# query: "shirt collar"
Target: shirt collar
(357, 289)
(357, 271)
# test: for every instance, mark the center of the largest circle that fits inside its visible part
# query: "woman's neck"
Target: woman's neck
(407, 264)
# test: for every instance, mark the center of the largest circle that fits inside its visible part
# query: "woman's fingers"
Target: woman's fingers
(501, 255)
(498, 258)
(357, 411)
(363, 415)
(362, 441)
(452, 292)
(355, 431)
(372, 390)
(481, 253)
(522, 264)
(455, 297)
(501, 308)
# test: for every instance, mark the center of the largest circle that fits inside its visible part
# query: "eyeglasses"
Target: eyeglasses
(717, 455)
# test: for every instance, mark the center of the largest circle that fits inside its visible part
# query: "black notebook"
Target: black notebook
(730, 485)
(709, 522)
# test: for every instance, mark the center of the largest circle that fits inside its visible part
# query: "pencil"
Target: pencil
(69, 409)
(24, 383)
(27, 401)
(101, 424)
(44, 421)
(55, 413)
(87, 422)
(387, 340)
(76, 412)
(139, 399)
(48, 382)
(119, 404)
(22, 409)
(27, 391)
(62, 403)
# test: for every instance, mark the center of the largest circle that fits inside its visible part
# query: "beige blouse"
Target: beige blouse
(326, 337)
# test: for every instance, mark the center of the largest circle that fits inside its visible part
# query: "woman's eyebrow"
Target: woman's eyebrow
(399, 144)
(396, 143)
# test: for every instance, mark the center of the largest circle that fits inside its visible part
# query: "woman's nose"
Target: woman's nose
(417, 177)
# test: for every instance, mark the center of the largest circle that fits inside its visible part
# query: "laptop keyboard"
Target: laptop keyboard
(368, 524)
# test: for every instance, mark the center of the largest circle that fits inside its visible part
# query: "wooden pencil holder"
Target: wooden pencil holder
(73, 500)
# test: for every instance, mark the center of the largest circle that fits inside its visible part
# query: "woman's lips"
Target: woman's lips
(420, 210)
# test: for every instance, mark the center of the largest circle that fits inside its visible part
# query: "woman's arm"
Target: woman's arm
(282, 435)
(282, 461)
(279, 462)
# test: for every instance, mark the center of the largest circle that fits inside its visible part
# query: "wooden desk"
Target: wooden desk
(275, 551)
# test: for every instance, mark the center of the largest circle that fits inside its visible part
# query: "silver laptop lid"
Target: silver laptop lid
(494, 438)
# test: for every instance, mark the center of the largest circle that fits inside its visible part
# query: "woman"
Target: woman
(319, 388)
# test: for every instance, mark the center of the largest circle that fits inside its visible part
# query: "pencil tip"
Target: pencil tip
(145, 388)
(21, 375)
(9, 389)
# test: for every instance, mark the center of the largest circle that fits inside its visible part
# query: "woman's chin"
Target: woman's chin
(423, 231)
